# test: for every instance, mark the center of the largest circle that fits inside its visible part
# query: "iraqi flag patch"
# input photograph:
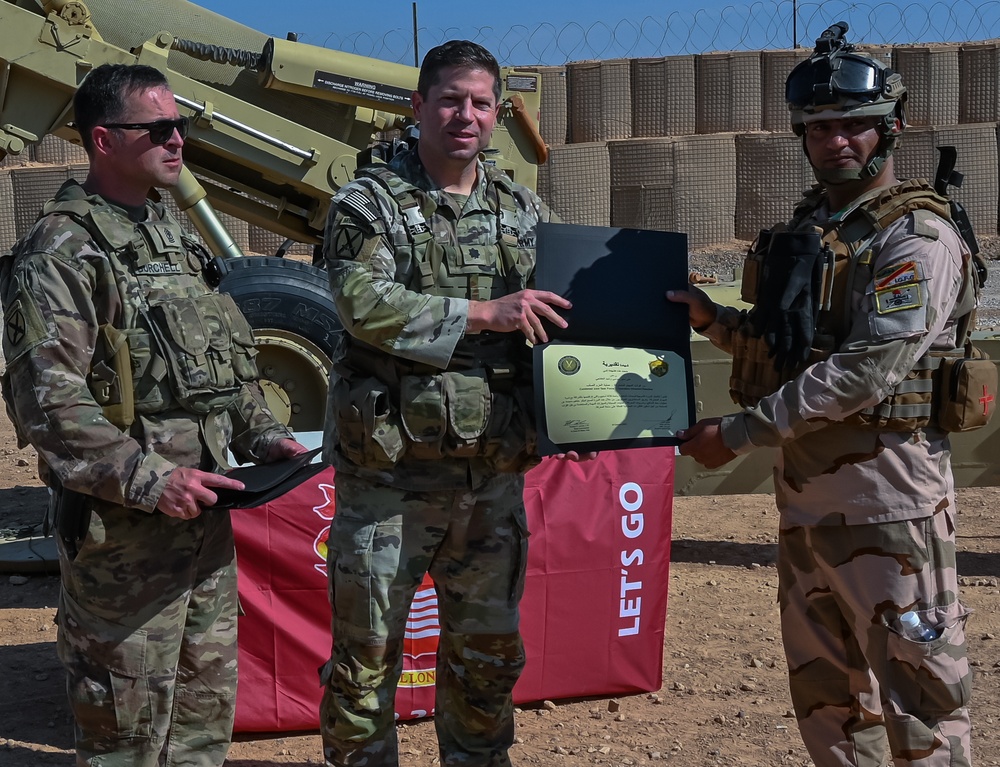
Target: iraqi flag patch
(895, 275)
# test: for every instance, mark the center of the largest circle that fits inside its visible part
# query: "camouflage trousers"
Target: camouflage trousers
(147, 634)
(857, 685)
(382, 542)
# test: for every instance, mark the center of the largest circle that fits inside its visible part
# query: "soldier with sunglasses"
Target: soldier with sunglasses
(131, 376)
(864, 304)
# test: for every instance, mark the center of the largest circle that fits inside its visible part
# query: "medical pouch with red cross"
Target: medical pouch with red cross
(966, 391)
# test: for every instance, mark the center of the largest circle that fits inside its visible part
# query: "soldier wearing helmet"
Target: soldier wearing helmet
(863, 305)
(839, 83)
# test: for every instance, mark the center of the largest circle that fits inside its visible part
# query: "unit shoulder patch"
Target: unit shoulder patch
(899, 298)
(24, 328)
(349, 241)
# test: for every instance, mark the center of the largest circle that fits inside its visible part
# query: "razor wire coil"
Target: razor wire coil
(760, 25)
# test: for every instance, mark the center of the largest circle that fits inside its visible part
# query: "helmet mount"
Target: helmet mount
(838, 82)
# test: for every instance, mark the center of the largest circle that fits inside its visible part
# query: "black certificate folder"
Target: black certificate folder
(620, 374)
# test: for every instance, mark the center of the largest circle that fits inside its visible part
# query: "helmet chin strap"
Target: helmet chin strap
(838, 176)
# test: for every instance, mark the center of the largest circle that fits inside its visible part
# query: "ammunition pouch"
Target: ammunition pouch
(110, 377)
(369, 426)
(482, 409)
(445, 414)
(195, 353)
(910, 405)
(208, 348)
(753, 267)
(754, 374)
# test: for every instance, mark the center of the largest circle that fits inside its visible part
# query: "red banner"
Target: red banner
(592, 615)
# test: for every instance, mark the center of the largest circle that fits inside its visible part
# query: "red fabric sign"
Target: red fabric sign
(592, 615)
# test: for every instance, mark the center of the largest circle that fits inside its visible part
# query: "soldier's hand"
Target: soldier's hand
(703, 442)
(523, 311)
(188, 491)
(702, 310)
(572, 455)
(285, 448)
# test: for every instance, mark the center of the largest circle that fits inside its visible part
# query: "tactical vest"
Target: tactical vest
(481, 407)
(916, 401)
(180, 343)
(452, 269)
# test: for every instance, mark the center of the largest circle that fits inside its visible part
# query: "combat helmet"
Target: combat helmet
(837, 81)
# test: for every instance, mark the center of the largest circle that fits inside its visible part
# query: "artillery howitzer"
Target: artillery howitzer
(277, 127)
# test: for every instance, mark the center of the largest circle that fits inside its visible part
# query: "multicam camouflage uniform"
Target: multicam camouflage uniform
(427, 430)
(147, 611)
(868, 518)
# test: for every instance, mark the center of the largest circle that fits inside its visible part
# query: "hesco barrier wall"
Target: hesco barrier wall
(753, 172)
(663, 97)
(692, 143)
(25, 188)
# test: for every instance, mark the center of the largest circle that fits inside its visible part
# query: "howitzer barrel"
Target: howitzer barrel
(270, 157)
(130, 23)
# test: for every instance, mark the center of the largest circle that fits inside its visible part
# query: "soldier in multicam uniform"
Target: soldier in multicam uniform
(858, 300)
(430, 259)
(130, 375)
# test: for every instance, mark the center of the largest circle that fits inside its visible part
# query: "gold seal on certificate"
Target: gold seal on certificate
(605, 393)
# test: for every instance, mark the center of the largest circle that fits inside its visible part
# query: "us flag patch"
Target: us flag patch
(360, 205)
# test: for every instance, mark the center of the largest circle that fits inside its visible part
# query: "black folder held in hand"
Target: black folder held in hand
(268, 481)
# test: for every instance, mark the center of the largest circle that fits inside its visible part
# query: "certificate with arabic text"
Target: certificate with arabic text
(620, 374)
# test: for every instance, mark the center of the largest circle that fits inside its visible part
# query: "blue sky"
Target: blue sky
(557, 31)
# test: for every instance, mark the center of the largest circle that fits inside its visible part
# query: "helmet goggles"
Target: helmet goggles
(831, 79)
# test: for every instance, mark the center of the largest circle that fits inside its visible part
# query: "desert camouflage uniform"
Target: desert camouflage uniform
(147, 611)
(868, 524)
(460, 518)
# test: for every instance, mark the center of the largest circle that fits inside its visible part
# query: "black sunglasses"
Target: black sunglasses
(160, 131)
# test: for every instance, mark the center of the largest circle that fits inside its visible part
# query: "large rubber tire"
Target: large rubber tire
(289, 306)
(288, 295)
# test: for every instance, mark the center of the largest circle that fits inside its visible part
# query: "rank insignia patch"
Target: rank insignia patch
(898, 298)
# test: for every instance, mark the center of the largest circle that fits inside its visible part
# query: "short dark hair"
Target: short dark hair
(457, 53)
(103, 96)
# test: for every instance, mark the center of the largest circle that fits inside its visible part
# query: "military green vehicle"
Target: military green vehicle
(277, 127)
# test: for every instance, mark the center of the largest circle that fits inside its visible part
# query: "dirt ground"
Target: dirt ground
(723, 700)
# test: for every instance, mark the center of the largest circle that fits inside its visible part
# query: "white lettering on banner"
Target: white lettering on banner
(633, 523)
